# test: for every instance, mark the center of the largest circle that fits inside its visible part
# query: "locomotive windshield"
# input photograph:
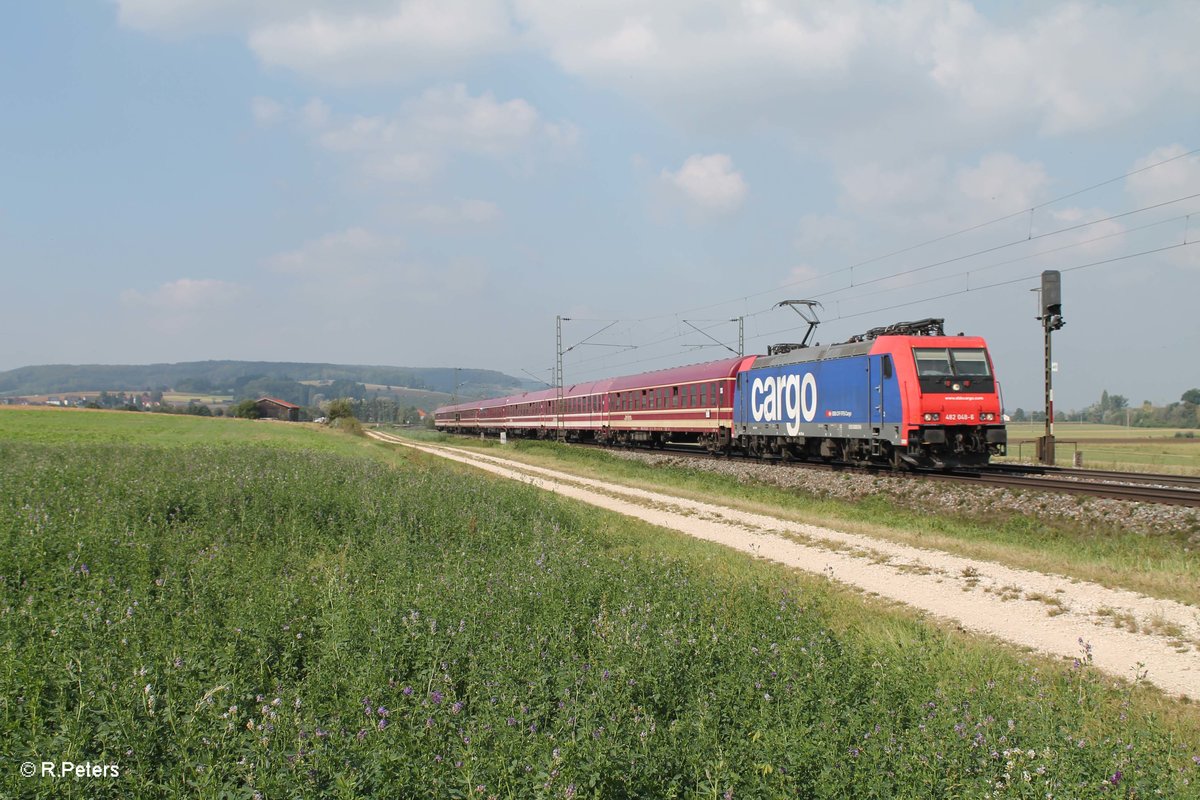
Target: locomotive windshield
(958, 362)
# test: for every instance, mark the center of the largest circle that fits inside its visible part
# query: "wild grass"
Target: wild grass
(246, 619)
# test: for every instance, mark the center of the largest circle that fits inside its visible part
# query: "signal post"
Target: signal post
(1052, 320)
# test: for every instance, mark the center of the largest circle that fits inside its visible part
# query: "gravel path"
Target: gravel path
(1146, 518)
(1049, 613)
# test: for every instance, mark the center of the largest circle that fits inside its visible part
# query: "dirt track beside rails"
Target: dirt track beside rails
(1045, 612)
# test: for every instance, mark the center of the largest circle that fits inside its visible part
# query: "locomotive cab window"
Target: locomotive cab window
(970, 363)
(953, 369)
(933, 362)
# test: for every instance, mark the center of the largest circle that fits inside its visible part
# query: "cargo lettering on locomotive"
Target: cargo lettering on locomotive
(784, 398)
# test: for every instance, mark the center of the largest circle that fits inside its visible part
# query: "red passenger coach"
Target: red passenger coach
(683, 404)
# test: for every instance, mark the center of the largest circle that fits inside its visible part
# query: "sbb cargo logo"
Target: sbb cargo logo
(784, 398)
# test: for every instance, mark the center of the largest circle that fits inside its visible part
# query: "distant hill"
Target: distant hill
(234, 376)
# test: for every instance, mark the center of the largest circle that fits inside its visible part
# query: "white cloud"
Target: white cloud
(368, 41)
(909, 76)
(873, 188)
(709, 182)
(822, 230)
(380, 43)
(1002, 181)
(266, 111)
(351, 253)
(183, 305)
(861, 74)
(184, 295)
(315, 113)
(361, 270)
(458, 213)
(482, 124)
(414, 143)
(1061, 68)
(1178, 178)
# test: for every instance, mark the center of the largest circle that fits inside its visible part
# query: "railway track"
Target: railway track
(1178, 490)
(1135, 487)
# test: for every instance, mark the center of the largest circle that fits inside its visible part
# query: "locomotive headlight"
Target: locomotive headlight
(932, 417)
(957, 387)
(987, 416)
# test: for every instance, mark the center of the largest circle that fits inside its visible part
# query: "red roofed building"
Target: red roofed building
(274, 408)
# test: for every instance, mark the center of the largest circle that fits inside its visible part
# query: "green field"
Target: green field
(183, 398)
(224, 608)
(1112, 446)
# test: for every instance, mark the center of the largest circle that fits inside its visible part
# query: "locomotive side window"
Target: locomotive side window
(970, 363)
(887, 366)
(933, 362)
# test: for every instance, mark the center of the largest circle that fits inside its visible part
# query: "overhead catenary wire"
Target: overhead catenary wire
(674, 332)
(936, 239)
(943, 262)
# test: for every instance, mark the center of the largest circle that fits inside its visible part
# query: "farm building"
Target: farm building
(274, 408)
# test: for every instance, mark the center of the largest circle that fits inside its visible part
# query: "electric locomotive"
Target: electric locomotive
(905, 395)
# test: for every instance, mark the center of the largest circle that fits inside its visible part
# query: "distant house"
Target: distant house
(274, 408)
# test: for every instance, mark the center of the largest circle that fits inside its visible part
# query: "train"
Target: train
(905, 395)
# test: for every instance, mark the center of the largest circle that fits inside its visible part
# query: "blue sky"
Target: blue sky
(431, 182)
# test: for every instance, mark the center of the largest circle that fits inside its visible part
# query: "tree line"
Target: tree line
(1114, 409)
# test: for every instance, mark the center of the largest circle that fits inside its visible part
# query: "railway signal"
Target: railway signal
(1050, 306)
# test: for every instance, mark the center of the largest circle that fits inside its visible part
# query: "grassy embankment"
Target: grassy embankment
(1112, 446)
(274, 612)
(1163, 564)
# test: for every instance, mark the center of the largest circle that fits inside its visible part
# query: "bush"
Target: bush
(247, 409)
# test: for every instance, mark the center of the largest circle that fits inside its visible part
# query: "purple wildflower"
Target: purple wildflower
(436, 696)
(457, 707)
(382, 712)
(1116, 778)
(407, 691)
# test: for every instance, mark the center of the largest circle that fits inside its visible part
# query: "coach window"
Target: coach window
(675, 397)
